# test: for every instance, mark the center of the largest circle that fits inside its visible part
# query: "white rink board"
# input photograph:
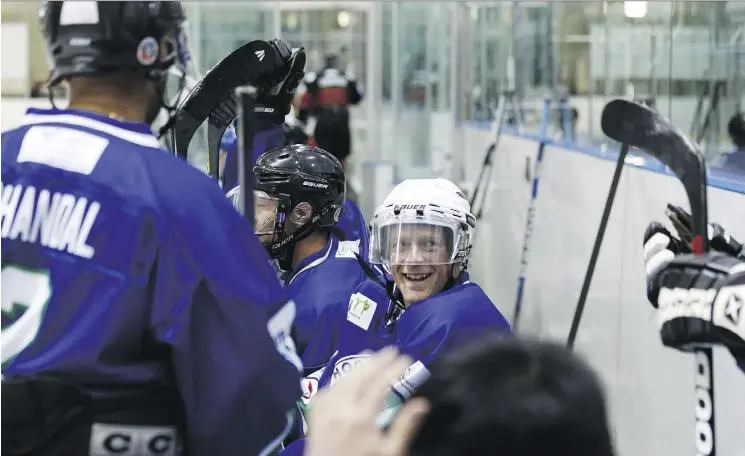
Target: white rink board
(650, 388)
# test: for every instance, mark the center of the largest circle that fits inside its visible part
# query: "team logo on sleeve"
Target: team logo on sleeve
(411, 379)
(361, 310)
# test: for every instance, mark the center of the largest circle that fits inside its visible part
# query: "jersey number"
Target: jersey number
(25, 294)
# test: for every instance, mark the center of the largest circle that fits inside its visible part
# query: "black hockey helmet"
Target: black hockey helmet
(86, 38)
(302, 189)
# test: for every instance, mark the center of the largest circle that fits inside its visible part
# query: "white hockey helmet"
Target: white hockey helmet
(422, 221)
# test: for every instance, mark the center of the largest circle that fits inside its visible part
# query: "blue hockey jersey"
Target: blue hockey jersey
(351, 222)
(321, 285)
(425, 330)
(123, 265)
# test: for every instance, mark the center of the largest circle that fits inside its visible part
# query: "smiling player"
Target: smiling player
(422, 235)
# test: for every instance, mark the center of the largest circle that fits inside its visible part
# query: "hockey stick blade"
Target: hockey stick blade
(641, 127)
(214, 97)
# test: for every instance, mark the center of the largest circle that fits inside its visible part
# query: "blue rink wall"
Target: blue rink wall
(650, 388)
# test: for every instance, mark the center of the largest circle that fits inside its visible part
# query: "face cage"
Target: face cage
(279, 237)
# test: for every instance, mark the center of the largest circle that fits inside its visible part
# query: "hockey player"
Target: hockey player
(273, 132)
(140, 314)
(326, 96)
(298, 197)
(422, 233)
(679, 285)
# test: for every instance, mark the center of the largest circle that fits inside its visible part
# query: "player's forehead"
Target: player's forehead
(415, 231)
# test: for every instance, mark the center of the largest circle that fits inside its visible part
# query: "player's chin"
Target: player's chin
(416, 287)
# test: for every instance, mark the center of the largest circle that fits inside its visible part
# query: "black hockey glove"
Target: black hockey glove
(281, 73)
(660, 246)
(700, 301)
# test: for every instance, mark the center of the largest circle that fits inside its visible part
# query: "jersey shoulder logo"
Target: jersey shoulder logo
(361, 310)
(347, 249)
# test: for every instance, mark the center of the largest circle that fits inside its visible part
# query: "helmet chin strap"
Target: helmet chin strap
(162, 82)
(284, 250)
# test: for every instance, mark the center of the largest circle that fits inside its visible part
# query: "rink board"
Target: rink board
(650, 388)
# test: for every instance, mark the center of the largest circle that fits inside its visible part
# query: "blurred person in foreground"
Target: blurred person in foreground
(495, 396)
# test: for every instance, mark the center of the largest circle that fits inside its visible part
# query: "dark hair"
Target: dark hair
(736, 129)
(510, 397)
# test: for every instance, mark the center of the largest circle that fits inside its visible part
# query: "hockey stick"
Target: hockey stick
(608, 122)
(482, 183)
(579, 310)
(246, 98)
(213, 99)
(644, 128)
(528, 233)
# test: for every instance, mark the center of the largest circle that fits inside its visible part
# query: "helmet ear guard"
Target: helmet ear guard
(301, 213)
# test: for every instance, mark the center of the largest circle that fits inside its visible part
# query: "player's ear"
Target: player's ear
(301, 213)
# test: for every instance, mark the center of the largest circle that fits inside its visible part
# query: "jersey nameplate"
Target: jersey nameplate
(347, 249)
(361, 310)
(63, 148)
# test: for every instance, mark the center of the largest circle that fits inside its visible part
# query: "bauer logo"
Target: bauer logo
(409, 207)
(315, 184)
(121, 440)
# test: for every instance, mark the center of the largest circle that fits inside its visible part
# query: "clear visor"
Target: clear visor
(415, 241)
(266, 208)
